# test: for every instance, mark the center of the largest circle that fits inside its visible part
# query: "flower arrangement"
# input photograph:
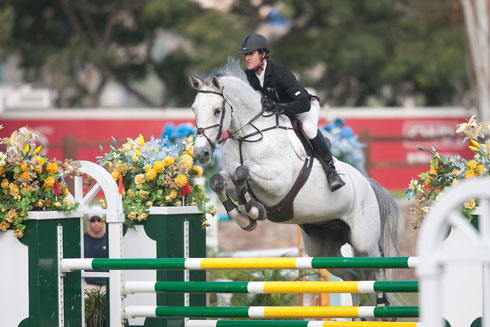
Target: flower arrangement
(153, 173)
(344, 144)
(30, 181)
(445, 172)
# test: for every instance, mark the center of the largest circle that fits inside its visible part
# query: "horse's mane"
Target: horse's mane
(231, 68)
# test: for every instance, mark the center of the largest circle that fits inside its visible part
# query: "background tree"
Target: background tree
(351, 53)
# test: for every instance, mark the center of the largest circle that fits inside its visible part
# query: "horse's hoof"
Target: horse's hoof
(251, 226)
(241, 175)
(217, 183)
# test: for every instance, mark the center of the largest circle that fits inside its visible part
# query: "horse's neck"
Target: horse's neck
(246, 105)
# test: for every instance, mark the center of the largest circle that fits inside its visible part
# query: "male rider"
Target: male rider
(283, 94)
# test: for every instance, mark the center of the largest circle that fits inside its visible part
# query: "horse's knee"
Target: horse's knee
(217, 183)
(241, 175)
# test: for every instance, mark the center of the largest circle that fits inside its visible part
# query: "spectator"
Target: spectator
(95, 245)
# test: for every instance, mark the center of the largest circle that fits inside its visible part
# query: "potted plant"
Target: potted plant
(34, 206)
(445, 172)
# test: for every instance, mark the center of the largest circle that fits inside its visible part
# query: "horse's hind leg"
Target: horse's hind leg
(321, 241)
(253, 209)
(218, 185)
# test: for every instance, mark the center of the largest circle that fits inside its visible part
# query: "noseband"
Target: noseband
(200, 130)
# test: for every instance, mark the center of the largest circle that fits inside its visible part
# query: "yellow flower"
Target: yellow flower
(198, 171)
(167, 161)
(103, 203)
(48, 183)
(5, 183)
(479, 169)
(172, 194)
(52, 168)
(149, 204)
(433, 171)
(115, 174)
(65, 191)
(470, 204)
(187, 161)
(66, 201)
(137, 152)
(11, 216)
(14, 189)
(472, 148)
(194, 203)
(143, 193)
(212, 211)
(18, 233)
(158, 166)
(190, 151)
(472, 164)
(139, 179)
(135, 158)
(38, 149)
(455, 181)
(147, 167)
(132, 215)
(131, 193)
(23, 166)
(57, 204)
(455, 172)
(2, 170)
(143, 216)
(142, 140)
(26, 148)
(178, 203)
(4, 226)
(25, 175)
(205, 224)
(40, 160)
(469, 174)
(181, 180)
(151, 174)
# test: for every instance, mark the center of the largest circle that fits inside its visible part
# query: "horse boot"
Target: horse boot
(323, 153)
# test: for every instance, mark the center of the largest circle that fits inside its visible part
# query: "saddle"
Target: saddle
(284, 210)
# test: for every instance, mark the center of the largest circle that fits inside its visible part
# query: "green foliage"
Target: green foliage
(152, 173)
(95, 307)
(30, 181)
(445, 172)
(351, 52)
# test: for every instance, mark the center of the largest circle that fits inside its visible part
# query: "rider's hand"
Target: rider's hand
(271, 105)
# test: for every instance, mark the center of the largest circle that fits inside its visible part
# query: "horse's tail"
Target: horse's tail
(392, 222)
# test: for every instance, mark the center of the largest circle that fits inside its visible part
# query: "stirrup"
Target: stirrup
(334, 181)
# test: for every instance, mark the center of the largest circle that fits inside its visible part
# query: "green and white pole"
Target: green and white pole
(291, 323)
(272, 287)
(273, 312)
(241, 263)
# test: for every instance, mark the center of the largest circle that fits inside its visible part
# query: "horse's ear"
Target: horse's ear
(215, 82)
(196, 82)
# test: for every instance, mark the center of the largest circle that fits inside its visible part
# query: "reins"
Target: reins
(231, 135)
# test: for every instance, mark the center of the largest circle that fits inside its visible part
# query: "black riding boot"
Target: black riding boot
(323, 151)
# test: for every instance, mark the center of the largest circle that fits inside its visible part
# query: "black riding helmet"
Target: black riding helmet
(254, 42)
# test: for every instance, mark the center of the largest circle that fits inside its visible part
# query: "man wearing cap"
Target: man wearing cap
(95, 244)
(283, 94)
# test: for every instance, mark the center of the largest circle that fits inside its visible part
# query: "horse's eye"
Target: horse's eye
(217, 111)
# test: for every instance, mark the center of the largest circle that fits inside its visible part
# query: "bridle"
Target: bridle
(200, 130)
(232, 135)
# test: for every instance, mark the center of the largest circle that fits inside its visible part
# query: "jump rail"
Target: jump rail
(272, 312)
(239, 263)
(272, 287)
(289, 323)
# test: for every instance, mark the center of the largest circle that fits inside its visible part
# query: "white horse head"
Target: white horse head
(219, 93)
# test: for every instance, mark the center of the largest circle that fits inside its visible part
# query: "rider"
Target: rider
(283, 94)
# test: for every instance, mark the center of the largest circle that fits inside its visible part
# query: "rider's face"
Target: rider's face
(253, 59)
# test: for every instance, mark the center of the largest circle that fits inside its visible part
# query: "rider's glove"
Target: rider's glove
(272, 106)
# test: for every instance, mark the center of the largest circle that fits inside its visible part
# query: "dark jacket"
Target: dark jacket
(281, 86)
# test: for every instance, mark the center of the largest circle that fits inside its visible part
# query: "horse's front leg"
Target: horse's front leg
(218, 185)
(253, 209)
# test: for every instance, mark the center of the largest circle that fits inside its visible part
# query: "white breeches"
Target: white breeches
(309, 119)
